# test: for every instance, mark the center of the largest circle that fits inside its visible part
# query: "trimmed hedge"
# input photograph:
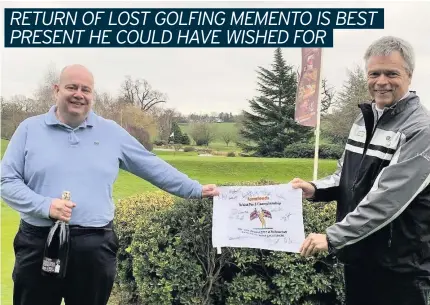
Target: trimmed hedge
(307, 150)
(166, 257)
(189, 148)
(128, 213)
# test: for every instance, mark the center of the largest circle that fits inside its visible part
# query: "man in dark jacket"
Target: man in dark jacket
(381, 185)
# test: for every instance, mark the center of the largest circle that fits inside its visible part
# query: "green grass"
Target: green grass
(9, 226)
(162, 153)
(205, 169)
(221, 146)
(218, 128)
(3, 146)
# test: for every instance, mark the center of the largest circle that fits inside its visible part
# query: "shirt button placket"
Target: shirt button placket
(73, 139)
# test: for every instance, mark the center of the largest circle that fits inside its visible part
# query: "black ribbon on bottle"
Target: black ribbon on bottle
(56, 253)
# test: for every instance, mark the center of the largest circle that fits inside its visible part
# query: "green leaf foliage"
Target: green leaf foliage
(173, 261)
(307, 150)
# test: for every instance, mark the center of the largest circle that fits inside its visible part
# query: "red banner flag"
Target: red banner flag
(308, 88)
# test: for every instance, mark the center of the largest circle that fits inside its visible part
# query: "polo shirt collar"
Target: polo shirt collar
(51, 119)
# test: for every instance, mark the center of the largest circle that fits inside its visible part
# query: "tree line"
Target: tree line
(267, 129)
(138, 107)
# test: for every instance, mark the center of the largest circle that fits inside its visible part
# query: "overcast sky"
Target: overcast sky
(205, 80)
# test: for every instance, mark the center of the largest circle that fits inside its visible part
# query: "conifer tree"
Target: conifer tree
(177, 133)
(270, 127)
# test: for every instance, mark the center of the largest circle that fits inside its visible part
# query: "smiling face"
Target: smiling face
(387, 78)
(74, 95)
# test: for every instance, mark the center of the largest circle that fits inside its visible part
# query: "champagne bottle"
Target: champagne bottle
(57, 245)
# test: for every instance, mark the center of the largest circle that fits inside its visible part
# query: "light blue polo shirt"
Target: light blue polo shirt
(46, 157)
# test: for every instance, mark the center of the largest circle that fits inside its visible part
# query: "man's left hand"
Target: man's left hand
(313, 244)
(209, 190)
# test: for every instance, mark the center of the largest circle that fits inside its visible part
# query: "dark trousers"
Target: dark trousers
(375, 286)
(90, 271)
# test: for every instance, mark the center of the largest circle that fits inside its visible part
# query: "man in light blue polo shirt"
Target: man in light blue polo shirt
(70, 148)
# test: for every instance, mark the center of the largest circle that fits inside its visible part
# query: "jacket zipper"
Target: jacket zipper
(391, 235)
(378, 119)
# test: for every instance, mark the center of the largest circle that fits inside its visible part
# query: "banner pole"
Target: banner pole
(317, 127)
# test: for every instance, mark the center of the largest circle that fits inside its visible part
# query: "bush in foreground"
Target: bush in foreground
(173, 262)
(189, 148)
(128, 214)
(307, 150)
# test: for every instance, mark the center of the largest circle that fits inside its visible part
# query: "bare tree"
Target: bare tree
(15, 110)
(164, 119)
(327, 98)
(354, 91)
(44, 94)
(176, 147)
(133, 116)
(228, 136)
(106, 106)
(139, 92)
(203, 133)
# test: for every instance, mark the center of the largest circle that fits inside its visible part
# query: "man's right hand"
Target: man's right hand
(61, 209)
(307, 188)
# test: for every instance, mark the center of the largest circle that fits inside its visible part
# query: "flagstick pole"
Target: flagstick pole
(317, 128)
(317, 143)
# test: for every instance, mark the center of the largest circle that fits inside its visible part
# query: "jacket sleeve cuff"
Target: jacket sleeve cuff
(324, 194)
(331, 249)
(313, 198)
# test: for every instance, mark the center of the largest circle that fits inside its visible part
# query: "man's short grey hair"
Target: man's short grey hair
(389, 44)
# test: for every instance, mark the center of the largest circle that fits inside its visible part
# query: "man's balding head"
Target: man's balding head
(74, 94)
(75, 69)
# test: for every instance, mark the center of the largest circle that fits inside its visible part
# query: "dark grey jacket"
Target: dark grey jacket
(382, 189)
